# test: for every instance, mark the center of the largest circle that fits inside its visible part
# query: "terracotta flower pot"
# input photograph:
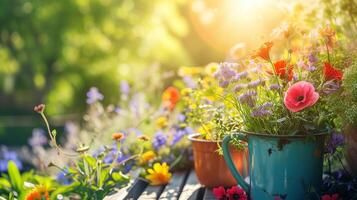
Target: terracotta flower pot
(351, 149)
(210, 167)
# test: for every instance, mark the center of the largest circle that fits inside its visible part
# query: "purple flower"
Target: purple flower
(117, 110)
(189, 130)
(181, 117)
(240, 75)
(223, 83)
(262, 111)
(256, 83)
(189, 82)
(38, 138)
(311, 68)
(312, 58)
(179, 133)
(124, 87)
(239, 87)
(300, 64)
(93, 95)
(109, 158)
(336, 141)
(159, 140)
(267, 105)
(274, 87)
(3, 165)
(97, 152)
(63, 178)
(6, 156)
(177, 136)
(225, 71)
(249, 98)
(330, 87)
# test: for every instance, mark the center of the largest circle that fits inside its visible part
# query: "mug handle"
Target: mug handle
(229, 161)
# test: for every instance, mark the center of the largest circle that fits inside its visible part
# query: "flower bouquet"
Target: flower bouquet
(212, 120)
(283, 107)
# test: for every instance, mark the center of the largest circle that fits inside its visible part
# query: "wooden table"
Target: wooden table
(183, 186)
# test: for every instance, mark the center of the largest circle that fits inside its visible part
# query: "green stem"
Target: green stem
(53, 139)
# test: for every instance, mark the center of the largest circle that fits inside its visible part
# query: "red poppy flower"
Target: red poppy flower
(236, 193)
(332, 73)
(264, 51)
(282, 71)
(219, 193)
(170, 97)
(330, 197)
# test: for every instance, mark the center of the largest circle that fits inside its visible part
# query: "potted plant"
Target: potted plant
(213, 120)
(282, 104)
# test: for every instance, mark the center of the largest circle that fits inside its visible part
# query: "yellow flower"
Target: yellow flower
(211, 68)
(189, 71)
(38, 193)
(161, 122)
(207, 81)
(159, 174)
(186, 91)
(147, 156)
(206, 130)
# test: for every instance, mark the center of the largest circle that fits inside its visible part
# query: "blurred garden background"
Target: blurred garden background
(54, 52)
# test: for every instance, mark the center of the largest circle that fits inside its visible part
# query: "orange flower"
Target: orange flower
(264, 51)
(329, 34)
(332, 73)
(159, 174)
(118, 136)
(282, 71)
(38, 193)
(147, 156)
(170, 97)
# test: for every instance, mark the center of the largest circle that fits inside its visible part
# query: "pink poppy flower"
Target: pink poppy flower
(300, 95)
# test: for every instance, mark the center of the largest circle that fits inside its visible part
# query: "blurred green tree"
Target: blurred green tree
(53, 51)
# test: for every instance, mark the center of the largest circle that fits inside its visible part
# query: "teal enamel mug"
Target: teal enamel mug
(280, 167)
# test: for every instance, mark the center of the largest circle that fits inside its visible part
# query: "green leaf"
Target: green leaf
(4, 183)
(103, 175)
(119, 177)
(90, 160)
(15, 176)
(54, 133)
(65, 189)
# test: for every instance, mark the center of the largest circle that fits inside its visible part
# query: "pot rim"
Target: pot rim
(193, 137)
(284, 136)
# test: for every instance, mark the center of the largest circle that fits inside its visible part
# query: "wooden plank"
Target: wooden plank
(173, 189)
(192, 189)
(209, 195)
(137, 189)
(152, 192)
(120, 194)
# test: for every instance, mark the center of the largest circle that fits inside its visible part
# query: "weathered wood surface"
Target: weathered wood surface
(183, 186)
(192, 189)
